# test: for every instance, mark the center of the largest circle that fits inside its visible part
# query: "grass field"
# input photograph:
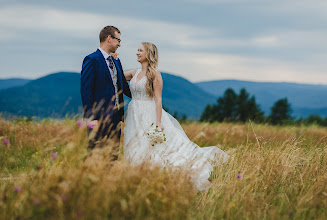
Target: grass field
(272, 173)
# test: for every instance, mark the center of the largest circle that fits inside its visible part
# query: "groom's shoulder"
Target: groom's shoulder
(93, 55)
(91, 58)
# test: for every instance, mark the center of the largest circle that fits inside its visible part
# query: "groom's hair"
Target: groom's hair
(106, 31)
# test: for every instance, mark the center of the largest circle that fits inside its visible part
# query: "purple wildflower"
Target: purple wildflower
(239, 175)
(54, 155)
(63, 197)
(79, 213)
(38, 167)
(79, 123)
(37, 201)
(90, 125)
(18, 189)
(6, 141)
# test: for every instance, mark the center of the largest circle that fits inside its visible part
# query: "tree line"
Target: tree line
(232, 107)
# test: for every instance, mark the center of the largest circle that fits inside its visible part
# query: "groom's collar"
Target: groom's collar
(104, 53)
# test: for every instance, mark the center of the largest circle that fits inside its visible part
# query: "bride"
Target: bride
(145, 109)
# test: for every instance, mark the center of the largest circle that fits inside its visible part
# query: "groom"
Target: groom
(102, 86)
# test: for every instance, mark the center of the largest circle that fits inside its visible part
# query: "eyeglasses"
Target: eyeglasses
(116, 38)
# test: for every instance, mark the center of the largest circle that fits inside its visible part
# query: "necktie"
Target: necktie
(111, 62)
(115, 81)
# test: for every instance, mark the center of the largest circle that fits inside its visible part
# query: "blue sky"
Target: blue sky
(255, 40)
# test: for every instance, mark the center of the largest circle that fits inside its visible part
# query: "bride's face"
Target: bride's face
(141, 54)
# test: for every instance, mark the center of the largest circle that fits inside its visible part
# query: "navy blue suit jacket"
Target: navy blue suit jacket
(97, 88)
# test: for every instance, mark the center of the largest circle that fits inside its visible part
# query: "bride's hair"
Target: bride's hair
(152, 58)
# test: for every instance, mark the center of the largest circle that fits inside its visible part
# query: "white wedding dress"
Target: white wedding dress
(177, 151)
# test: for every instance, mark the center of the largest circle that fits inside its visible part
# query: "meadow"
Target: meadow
(274, 172)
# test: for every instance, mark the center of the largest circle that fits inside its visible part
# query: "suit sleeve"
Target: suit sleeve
(126, 89)
(87, 85)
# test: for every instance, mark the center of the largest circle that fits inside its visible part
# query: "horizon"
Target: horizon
(178, 75)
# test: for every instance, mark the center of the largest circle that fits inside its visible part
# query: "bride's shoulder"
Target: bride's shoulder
(133, 72)
(158, 77)
(158, 74)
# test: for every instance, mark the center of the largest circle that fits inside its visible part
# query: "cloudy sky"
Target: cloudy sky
(255, 40)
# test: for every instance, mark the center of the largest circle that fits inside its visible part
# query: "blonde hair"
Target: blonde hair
(152, 58)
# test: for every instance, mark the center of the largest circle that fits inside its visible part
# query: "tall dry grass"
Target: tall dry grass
(272, 173)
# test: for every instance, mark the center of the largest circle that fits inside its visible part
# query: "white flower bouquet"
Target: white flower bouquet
(155, 135)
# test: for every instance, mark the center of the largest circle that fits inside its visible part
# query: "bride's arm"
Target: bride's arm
(157, 86)
(129, 74)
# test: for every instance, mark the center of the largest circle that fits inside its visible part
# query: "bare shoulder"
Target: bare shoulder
(158, 80)
(158, 75)
(131, 73)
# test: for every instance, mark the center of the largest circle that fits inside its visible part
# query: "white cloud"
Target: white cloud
(266, 41)
(6, 35)
(205, 66)
(70, 35)
(16, 19)
(88, 25)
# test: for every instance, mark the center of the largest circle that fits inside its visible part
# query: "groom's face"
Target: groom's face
(114, 42)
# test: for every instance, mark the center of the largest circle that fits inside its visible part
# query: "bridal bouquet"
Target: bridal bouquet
(155, 135)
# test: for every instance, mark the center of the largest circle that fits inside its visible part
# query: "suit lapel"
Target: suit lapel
(105, 66)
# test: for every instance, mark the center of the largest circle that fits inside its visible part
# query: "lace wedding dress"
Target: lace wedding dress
(177, 151)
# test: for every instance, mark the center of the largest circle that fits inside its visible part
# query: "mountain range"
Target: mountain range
(58, 94)
(13, 82)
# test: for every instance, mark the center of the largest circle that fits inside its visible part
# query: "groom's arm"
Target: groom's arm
(87, 85)
(126, 89)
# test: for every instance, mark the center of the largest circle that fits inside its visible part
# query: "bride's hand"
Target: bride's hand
(115, 55)
(160, 126)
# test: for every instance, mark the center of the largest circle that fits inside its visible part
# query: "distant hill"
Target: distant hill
(305, 112)
(58, 94)
(184, 97)
(52, 95)
(305, 99)
(8, 83)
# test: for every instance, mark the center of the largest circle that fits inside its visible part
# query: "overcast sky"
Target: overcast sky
(255, 40)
